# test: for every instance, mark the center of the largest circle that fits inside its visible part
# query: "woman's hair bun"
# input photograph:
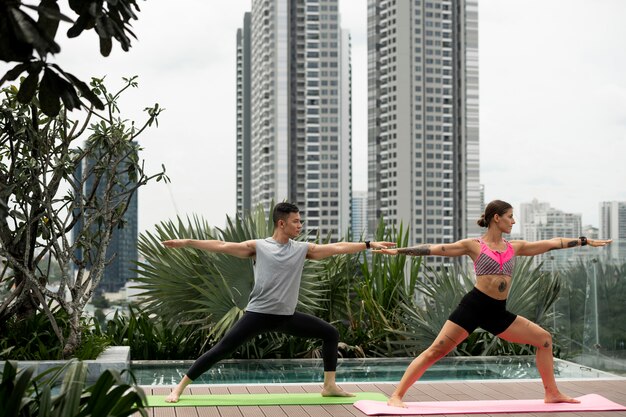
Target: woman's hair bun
(482, 222)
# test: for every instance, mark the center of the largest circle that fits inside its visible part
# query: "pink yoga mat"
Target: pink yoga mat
(590, 402)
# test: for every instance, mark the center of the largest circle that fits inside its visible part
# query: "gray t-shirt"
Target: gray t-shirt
(277, 276)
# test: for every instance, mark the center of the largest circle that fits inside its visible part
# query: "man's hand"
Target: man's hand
(382, 245)
(176, 243)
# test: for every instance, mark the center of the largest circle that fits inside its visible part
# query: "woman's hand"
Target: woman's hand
(386, 251)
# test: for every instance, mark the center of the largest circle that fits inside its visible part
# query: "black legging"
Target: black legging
(253, 324)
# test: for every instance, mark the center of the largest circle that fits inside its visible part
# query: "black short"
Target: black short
(477, 309)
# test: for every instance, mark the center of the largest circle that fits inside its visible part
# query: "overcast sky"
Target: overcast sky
(552, 101)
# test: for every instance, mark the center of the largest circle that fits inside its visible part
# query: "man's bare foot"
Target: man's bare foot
(173, 397)
(395, 401)
(559, 398)
(335, 391)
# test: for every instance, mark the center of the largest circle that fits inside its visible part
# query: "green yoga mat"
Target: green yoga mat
(261, 399)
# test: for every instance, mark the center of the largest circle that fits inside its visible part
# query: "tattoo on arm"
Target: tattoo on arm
(502, 286)
(572, 243)
(561, 247)
(421, 250)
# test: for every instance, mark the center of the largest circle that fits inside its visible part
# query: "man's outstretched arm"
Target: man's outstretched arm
(245, 249)
(318, 251)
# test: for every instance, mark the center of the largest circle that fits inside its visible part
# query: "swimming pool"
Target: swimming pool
(269, 371)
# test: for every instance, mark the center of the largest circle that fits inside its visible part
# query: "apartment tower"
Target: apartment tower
(122, 252)
(613, 226)
(539, 221)
(423, 159)
(293, 91)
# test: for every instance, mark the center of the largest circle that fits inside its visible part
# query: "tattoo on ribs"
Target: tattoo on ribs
(421, 250)
(502, 286)
(572, 243)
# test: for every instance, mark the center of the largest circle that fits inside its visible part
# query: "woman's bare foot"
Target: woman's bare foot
(173, 397)
(335, 391)
(559, 398)
(396, 401)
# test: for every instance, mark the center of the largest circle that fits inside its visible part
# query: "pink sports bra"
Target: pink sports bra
(491, 262)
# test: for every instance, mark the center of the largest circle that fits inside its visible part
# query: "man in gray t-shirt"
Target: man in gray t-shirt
(272, 305)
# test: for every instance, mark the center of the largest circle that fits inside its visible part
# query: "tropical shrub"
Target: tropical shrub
(33, 338)
(377, 289)
(150, 337)
(23, 395)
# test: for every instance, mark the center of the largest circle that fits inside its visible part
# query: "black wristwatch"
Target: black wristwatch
(583, 241)
(367, 244)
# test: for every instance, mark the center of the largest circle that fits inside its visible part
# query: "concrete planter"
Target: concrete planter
(114, 357)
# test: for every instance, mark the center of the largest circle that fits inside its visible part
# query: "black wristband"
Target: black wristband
(583, 241)
(367, 244)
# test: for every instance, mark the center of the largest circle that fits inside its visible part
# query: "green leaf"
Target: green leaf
(83, 22)
(49, 14)
(72, 388)
(106, 44)
(28, 88)
(15, 72)
(49, 94)
(12, 406)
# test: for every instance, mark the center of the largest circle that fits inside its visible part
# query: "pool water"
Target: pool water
(270, 371)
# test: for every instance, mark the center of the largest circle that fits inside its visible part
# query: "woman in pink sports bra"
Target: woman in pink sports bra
(485, 305)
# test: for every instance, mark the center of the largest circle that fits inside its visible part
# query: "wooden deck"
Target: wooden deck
(614, 390)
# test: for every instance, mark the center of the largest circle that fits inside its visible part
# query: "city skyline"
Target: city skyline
(551, 98)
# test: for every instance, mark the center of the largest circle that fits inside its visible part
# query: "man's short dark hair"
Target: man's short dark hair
(282, 211)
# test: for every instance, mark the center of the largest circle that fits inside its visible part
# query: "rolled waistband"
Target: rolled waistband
(482, 297)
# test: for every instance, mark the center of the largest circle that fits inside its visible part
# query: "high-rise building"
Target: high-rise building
(243, 117)
(294, 92)
(613, 226)
(122, 251)
(539, 221)
(359, 216)
(423, 156)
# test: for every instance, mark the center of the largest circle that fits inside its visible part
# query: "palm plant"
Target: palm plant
(532, 294)
(210, 291)
(373, 305)
(151, 339)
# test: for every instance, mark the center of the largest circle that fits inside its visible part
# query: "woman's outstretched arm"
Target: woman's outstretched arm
(524, 248)
(459, 248)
